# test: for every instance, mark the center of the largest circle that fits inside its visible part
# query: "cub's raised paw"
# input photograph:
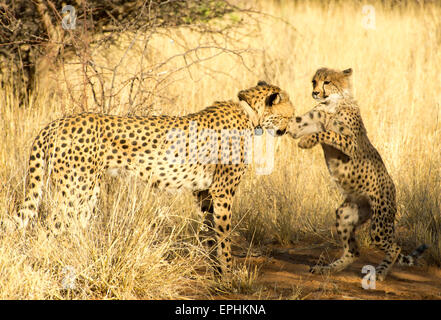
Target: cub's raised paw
(307, 142)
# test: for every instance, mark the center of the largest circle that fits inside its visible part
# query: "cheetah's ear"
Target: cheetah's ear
(273, 99)
(262, 83)
(347, 72)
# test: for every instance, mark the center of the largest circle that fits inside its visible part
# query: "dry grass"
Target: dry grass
(142, 247)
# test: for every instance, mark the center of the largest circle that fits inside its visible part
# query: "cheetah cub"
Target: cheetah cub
(330, 87)
(358, 170)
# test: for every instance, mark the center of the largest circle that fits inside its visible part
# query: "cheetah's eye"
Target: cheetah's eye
(327, 82)
(313, 82)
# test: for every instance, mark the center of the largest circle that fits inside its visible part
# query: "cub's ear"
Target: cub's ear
(273, 99)
(347, 72)
(262, 83)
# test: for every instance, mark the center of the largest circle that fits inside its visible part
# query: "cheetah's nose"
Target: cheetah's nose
(298, 119)
(315, 94)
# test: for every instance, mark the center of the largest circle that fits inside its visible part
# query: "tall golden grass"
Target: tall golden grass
(144, 245)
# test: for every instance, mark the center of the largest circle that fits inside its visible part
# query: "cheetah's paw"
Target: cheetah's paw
(307, 142)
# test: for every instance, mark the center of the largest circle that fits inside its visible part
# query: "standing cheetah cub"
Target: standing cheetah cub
(359, 172)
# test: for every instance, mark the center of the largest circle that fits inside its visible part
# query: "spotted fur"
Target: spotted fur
(315, 120)
(359, 172)
(205, 152)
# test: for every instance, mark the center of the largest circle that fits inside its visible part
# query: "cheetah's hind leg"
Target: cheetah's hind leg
(347, 220)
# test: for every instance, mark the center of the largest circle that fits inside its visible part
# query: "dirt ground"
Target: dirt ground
(284, 274)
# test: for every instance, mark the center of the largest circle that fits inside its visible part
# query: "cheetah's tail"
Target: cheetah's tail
(410, 259)
(34, 188)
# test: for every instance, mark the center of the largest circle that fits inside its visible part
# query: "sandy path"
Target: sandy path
(285, 274)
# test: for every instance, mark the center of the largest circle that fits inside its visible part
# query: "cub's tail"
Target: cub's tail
(411, 259)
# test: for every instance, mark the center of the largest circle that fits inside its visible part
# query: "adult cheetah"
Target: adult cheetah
(205, 152)
(356, 167)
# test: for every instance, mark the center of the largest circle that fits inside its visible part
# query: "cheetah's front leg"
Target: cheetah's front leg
(345, 144)
(217, 227)
(307, 142)
(221, 221)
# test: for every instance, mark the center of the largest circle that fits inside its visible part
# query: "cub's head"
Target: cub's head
(267, 106)
(329, 84)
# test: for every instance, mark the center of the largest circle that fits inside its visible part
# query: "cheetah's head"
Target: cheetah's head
(329, 84)
(269, 106)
